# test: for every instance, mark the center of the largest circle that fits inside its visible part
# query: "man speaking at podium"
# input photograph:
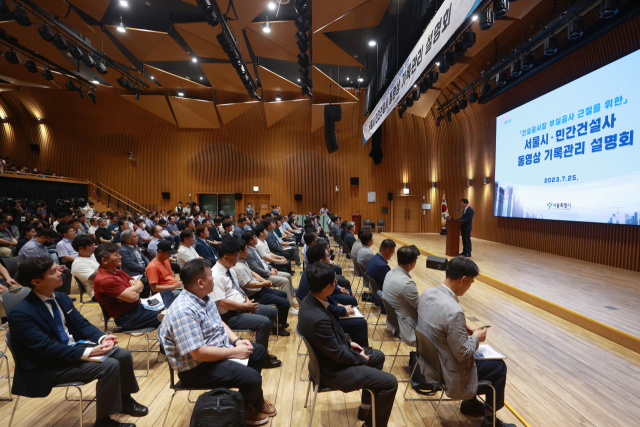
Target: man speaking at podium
(466, 226)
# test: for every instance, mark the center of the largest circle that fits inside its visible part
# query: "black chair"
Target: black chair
(392, 318)
(83, 292)
(11, 264)
(375, 295)
(429, 354)
(366, 223)
(380, 224)
(77, 385)
(315, 380)
(144, 331)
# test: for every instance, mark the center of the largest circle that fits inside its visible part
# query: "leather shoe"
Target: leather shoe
(269, 363)
(467, 255)
(108, 422)
(488, 422)
(362, 413)
(472, 408)
(72, 298)
(286, 325)
(134, 409)
(462, 253)
(273, 357)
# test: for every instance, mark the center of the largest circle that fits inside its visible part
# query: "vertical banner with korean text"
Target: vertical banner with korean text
(443, 25)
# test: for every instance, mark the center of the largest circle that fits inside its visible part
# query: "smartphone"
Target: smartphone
(486, 326)
(85, 344)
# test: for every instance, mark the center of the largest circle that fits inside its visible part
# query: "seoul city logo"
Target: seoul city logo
(549, 205)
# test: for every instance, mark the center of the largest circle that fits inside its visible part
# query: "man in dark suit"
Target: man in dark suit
(345, 365)
(44, 328)
(465, 228)
(202, 246)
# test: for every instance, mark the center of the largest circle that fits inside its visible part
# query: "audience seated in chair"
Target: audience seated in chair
(401, 292)
(349, 238)
(44, 327)
(187, 250)
(85, 267)
(123, 225)
(378, 266)
(119, 294)
(236, 310)
(6, 283)
(134, 263)
(345, 365)
(143, 235)
(289, 250)
(37, 247)
(64, 249)
(103, 235)
(203, 248)
(442, 320)
(8, 239)
(159, 272)
(198, 344)
(278, 262)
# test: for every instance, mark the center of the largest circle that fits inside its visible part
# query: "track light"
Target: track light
(608, 8)
(450, 58)
(272, 5)
(416, 95)
(500, 8)
(212, 19)
(575, 28)
(444, 67)
(266, 28)
(205, 5)
(463, 103)
(101, 68)
(372, 43)
(303, 60)
(11, 57)
(70, 86)
(180, 93)
(409, 102)
(47, 74)
(302, 47)
(486, 19)
(121, 28)
(424, 85)
(302, 37)
(527, 61)
(459, 49)
(485, 89)
(46, 33)
(455, 109)
(31, 66)
(129, 86)
(501, 79)
(473, 97)
(121, 81)
(449, 116)
(60, 42)
(88, 60)
(124, 3)
(93, 97)
(439, 119)
(278, 98)
(433, 77)
(76, 52)
(301, 24)
(21, 17)
(516, 68)
(80, 91)
(306, 90)
(551, 45)
(469, 39)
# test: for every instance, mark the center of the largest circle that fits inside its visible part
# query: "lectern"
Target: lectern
(356, 220)
(453, 237)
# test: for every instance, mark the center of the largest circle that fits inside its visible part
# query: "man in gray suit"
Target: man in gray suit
(442, 320)
(401, 292)
(365, 253)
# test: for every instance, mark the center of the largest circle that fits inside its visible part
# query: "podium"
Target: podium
(356, 220)
(453, 237)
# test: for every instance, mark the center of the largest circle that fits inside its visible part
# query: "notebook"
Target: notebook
(486, 352)
(357, 314)
(97, 358)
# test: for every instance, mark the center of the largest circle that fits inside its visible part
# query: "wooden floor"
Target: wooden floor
(559, 375)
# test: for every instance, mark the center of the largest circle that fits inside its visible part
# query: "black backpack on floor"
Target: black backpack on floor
(220, 407)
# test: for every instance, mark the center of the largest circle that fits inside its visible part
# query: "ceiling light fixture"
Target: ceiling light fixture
(31, 66)
(153, 78)
(11, 57)
(266, 28)
(121, 26)
(92, 96)
(474, 18)
(278, 98)
(372, 42)
(47, 74)
(124, 3)
(194, 59)
(272, 5)
(60, 42)
(180, 93)
(101, 68)
(95, 82)
(46, 33)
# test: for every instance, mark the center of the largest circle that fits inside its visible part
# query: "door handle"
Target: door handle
(409, 214)
(405, 214)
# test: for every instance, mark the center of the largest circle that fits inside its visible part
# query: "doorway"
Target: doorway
(406, 214)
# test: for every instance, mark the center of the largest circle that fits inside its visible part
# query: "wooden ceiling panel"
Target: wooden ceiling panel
(229, 112)
(518, 10)
(422, 106)
(282, 34)
(327, 11)
(223, 77)
(272, 81)
(275, 111)
(247, 9)
(201, 47)
(155, 104)
(323, 84)
(195, 113)
(167, 50)
(103, 43)
(93, 8)
(368, 14)
(139, 42)
(209, 33)
(267, 48)
(168, 80)
(483, 38)
(327, 52)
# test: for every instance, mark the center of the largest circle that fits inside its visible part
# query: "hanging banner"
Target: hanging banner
(441, 28)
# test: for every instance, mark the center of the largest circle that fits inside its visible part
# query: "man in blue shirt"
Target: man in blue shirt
(378, 266)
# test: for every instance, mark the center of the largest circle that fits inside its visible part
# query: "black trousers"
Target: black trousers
(140, 318)
(466, 241)
(268, 296)
(345, 299)
(229, 374)
(371, 376)
(357, 330)
(342, 281)
(283, 267)
(115, 380)
(260, 322)
(65, 288)
(496, 372)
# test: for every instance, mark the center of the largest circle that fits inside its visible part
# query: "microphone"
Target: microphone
(457, 209)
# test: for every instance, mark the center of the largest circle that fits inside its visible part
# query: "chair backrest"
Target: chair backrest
(314, 365)
(366, 222)
(381, 222)
(392, 316)
(171, 374)
(13, 297)
(373, 283)
(106, 318)
(7, 339)
(357, 272)
(295, 295)
(429, 353)
(11, 264)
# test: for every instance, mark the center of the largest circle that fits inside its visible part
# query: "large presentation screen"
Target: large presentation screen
(573, 153)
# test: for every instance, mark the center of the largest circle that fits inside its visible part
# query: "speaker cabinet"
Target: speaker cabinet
(238, 196)
(390, 197)
(298, 197)
(35, 147)
(332, 114)
(437, 263)
(166, 195)
(355, 180)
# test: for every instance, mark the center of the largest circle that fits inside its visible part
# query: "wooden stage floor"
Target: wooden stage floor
(559, 373)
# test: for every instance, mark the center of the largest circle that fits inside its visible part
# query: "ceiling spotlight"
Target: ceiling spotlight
(438, 63)
(449, 116)
(372, 42)
(347, 78)
(212, 19)
(11, 57)
(455, 109)
(450, 58)
(473, 97)
(40, 119)
(201, 78)
(22, 18)
(298, 79)
(70, 86)
(124, 3)
(551, 45)
(433, 77)
(278, 98)
(31, 66)
(500, 7)
(608, 8)
(266, 28)
(180, 93)
(474, 18)
(485, 89)
(47, 74)
(409, 102)
(121, 28)
(443, 67)
(463, 103)
(301, 24)
(194, 59)
(360, 79)
(424, 85)
(460, 49)
(469, 39)
(153, 78)
(501, 79)
(440, 119)
(516, 68)
(88, 60)
(272, 5)
(129, 85)
(527, 61)
(101, 68)
(575, 28)
(92, 96)
(60, 42)
(81, 92)
(46, 33)
(416, 94)
(486, 19)
(121, 81)
(76, 52)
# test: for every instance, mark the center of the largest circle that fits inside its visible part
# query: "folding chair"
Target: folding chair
(83, 292)
(392, 318)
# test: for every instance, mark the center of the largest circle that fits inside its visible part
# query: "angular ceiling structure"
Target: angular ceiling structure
(276, 111)
(155, 104)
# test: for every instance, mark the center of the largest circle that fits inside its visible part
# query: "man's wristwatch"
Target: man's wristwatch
(236, 340)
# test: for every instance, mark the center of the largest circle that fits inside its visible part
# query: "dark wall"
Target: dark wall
(48, 191)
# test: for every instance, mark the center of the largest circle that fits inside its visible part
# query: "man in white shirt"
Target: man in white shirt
(187, 250)
(324, 210)
(64, 249)
(279, 262)
(236, 310)
(88, 212)
(85, 266)
(153, 245)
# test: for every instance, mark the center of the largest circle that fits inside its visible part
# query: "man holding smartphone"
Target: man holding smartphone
(44, 328)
